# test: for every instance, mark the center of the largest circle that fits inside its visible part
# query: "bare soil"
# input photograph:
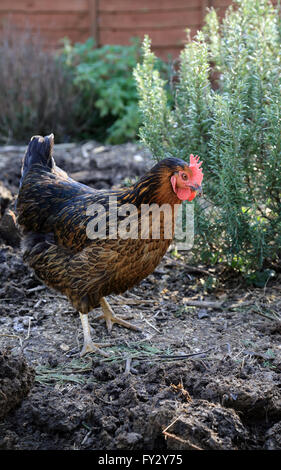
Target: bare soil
(204, 373)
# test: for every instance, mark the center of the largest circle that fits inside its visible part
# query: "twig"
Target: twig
(13, 336)
(173, 422)
(228, 349)
(38, 303)
(173, 436)
(184, 356)
(239, 304)
(35, 289)
(128, 365)
(173, 357)
(150, 324)
(124, 301)
(28, 331)
(86, 437)
(184, 441)
(216, 305)
(204, 303)
(258, 312)
(3, 395)
(192, 269)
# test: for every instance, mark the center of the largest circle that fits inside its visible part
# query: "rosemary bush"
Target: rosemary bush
(227, 109)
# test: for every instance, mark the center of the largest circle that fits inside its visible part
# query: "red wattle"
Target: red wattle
(184, 194)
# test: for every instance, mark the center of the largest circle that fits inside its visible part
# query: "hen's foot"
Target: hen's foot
(110, 318)
(89, 346)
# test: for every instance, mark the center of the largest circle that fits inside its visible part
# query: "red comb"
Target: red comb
(195, 165)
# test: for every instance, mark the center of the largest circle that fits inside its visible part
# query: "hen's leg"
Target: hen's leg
(109, 317)
(88, 345)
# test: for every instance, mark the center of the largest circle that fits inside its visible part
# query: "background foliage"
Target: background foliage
(82, 92)
(103, 76)
(227, 109)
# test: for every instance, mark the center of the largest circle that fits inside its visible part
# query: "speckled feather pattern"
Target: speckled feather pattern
(52, 215)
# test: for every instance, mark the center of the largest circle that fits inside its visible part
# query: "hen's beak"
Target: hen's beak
(197, 188)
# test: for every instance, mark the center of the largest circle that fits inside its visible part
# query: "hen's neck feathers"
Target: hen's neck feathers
(153, 187)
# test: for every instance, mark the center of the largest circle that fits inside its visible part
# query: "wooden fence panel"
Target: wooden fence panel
(165, 21)
(111, 21)
(52, 19)
(38, 6)
(147, 5)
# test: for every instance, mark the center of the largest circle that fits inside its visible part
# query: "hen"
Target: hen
(69, 232)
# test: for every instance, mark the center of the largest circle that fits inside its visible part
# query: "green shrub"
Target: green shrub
(108, 96)
(108, 104)
(227, 109)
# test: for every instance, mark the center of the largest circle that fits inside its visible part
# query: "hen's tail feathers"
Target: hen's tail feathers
(39, 151)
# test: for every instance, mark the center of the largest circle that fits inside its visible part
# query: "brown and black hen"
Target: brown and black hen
(69, 229)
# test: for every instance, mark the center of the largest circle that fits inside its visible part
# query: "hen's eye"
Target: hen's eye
(184, 176)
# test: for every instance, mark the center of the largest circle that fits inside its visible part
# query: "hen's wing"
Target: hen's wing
(52, 203)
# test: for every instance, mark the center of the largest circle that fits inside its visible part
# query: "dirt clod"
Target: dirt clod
(16, 380)
(206, 425)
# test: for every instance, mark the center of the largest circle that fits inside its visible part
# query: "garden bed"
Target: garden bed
(204, 373)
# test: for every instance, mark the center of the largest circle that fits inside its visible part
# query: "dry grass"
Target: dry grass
(37, 95)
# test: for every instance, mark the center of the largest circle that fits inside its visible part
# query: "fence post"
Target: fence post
(94, 19)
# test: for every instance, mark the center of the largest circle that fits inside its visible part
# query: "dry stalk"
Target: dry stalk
(183, 441)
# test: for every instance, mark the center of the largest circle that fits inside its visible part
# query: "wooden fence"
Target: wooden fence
(111, 21)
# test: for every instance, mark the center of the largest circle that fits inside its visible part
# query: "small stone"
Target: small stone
(203, 313)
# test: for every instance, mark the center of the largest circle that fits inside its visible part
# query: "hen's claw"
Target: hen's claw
(110, 318)
(89, 346)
